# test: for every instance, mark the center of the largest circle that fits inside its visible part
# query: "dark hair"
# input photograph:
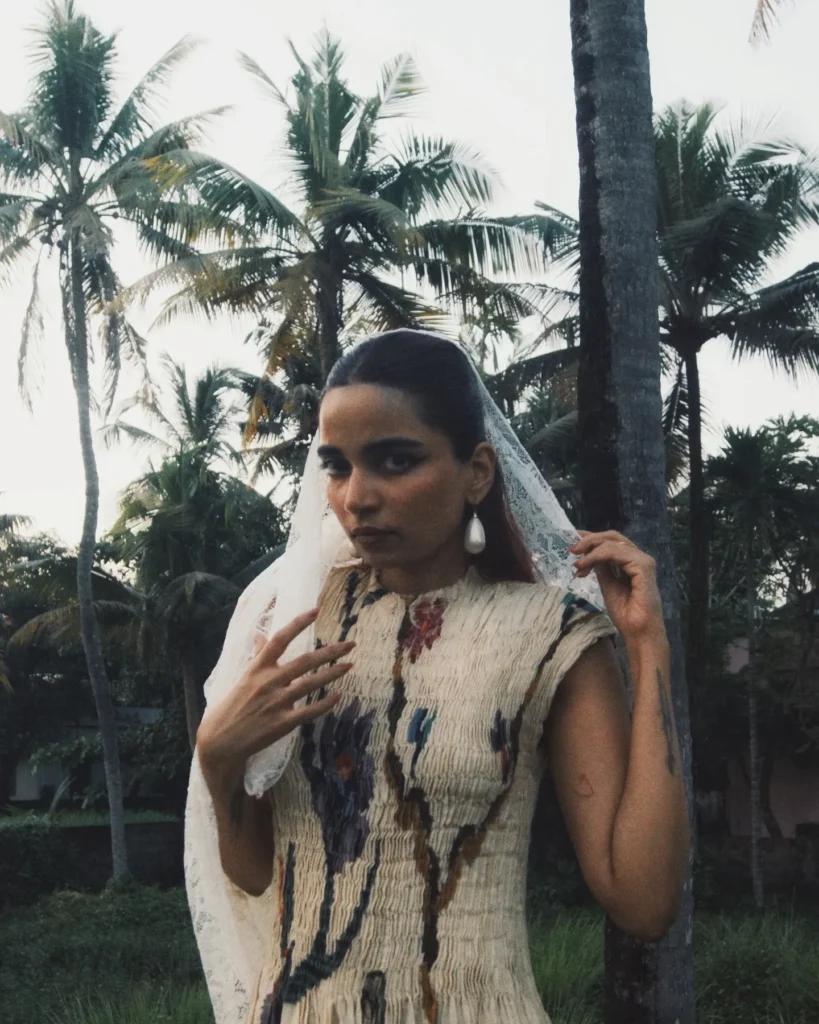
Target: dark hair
(438, 377)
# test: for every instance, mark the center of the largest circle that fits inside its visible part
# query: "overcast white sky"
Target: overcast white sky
(499, 77)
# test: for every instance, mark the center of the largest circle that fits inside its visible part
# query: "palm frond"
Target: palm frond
(486, 244)
(61, 626)
(72, 91)
(253, 68)
(429, 171)
(133, 119)
(113, 434)
(224, 190)
(400, 84)
(765, 17)
(507, 386)
(390, 307)
(32, 152)
(14, 210)
(12, 522)
(9, 254)
(28, 368)
(781, 323)
(555, 436)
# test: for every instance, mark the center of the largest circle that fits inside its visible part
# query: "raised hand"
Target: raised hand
(261, 709)
(628, 581)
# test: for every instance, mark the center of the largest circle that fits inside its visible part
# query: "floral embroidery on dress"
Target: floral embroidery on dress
(418, 733)
(341, 773)
(427, 622)
(344, 784)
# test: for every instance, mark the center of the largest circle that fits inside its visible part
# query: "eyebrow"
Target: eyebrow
(373, 448)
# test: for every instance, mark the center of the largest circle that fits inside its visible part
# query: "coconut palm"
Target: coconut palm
(730, 200)
(760, 487)
(200, 415)
(73, 163)
(387, 234)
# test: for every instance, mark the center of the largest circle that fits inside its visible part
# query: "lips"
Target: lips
(363, 532)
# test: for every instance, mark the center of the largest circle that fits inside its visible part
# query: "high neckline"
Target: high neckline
(470, 578)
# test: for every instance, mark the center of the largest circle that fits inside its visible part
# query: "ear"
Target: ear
(481, 474)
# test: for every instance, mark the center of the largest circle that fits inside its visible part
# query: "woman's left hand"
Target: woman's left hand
(628, 581)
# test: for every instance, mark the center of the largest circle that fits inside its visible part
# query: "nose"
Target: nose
(360, 494)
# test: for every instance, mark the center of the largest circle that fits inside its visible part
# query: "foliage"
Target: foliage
(749, 968)
(47, 688)
(74, 163)
(72, 946)
(34, 860)
(386, 235)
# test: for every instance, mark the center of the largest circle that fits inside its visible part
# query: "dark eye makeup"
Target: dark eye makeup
(393, 464)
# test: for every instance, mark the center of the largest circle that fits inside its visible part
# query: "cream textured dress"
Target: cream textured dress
(402, 821)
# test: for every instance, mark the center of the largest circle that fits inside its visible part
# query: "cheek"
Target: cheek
(431, 493)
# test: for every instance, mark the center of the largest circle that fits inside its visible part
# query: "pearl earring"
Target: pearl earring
(475, 537)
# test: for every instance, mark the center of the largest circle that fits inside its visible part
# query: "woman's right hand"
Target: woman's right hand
(260, 709)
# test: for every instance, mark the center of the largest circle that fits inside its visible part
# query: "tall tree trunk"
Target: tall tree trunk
(696, 652)
(193, 714)
(77, 342)
(329, 324)
(620, 409)
(753, 726)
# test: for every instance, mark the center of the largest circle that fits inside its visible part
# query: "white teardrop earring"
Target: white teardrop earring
(475, 536)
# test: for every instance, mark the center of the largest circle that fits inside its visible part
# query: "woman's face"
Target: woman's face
(390, 473)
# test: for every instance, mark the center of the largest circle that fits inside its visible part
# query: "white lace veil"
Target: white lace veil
(232, 928)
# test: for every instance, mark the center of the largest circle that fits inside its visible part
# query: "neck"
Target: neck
(442, 569)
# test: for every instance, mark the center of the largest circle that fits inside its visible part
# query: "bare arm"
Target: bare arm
(620, 787)
(245, 828)
(619, 783)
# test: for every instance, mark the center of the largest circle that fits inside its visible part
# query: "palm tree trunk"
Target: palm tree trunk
(329, 326)
(77, 342)
(696, 653)
(753, 726)
(620, 409)
(193, 714)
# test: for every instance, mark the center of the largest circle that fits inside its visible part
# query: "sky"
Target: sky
(498, 77)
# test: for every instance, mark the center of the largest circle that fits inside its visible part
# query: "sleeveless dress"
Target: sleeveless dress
(402, 821)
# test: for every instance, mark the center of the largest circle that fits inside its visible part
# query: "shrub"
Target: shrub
(34, 860)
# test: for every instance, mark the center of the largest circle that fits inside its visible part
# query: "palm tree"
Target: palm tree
(386, 235)
(188, 530)
(730, 201)
(199, 417)
(75, 163)
(620, 408)
(759, 487)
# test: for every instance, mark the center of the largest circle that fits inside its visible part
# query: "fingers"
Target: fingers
(310, 712)
(628, 557)
(304, 687)
(278, 643)
(312, 660)
(592, 540)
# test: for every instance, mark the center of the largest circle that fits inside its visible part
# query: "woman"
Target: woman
(384, 871)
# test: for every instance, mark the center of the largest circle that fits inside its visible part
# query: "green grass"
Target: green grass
(129, 957)
(75, 819)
